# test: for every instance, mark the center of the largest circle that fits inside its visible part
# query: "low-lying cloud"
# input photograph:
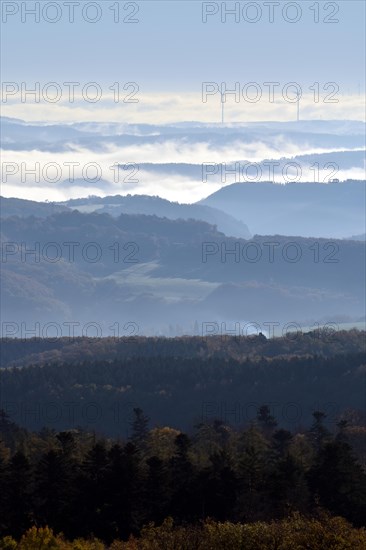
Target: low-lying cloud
(168, 160)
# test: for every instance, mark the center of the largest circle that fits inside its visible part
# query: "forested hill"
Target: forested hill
(163, 275)
(325, 341)
(181, 382)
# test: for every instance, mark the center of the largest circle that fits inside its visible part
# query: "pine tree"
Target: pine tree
(318, 432)
(252, 472)
(92, 492)
(139, 427)
(219, 487)
(282, 439)
(124, 486)
(339, 482)
(183, 477)
(266, 421)
(53, 490)
(157, 492)
(18, 495)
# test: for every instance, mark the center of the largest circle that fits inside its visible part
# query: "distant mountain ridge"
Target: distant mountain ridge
(130, 204)
(24, 208)
(161, 276)
(327, 210)
(156, 206)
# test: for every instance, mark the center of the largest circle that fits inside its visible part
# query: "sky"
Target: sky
(169, 52)
(167, 62)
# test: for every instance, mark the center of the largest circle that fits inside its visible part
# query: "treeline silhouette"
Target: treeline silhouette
(324, 341)
(85, 486)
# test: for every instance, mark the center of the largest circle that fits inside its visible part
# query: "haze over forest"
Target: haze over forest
(183, 266)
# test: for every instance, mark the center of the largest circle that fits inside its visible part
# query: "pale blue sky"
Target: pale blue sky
(170, 49)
